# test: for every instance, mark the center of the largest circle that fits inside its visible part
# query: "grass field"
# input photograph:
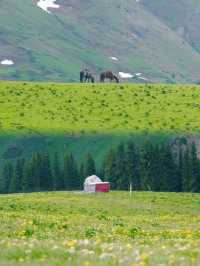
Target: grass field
(100, 108)
(112, 229)
(92, 118)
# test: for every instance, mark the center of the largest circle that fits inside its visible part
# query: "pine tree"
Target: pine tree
(81, 176)
(133, 165)
(157, 167)
(28, 176)
(76, 180)
(58, 181)
(187, 171)
(71, 178)
(89, 166)
(6, 177)
(147, 157)
(16, 180)
(36, 167)
(180, 173)
(31, 174)
(195, 165)
(170, 173)
(121, 175)
(46, 182)
(110, 169)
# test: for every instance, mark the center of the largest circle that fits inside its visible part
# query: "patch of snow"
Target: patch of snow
(138, 74)
(125, 75)
(134, 35)
(114, 58)
(7, 62)
(45, 4)
(143, 78)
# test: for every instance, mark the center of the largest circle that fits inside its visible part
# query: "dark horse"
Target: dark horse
(86, 76)
(108, 75)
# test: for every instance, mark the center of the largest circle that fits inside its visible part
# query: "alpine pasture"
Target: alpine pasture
(106, 229)
(62, 228)
(74, 117)
(100, 108)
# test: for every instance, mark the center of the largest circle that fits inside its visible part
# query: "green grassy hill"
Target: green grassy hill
(53, 47)
(112, 229)
(92, 118)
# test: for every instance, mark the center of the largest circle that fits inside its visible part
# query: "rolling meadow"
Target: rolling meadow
(63, 228)
(92, 118)
(107, 229)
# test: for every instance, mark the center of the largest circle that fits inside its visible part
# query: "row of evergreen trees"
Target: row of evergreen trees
(148, 167)
(153, 167)
(42, 173)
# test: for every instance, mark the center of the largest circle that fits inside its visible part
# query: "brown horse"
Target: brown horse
(108, 75)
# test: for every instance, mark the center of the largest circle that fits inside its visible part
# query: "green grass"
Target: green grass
(100, 108)
(105, 229)
(92, 118)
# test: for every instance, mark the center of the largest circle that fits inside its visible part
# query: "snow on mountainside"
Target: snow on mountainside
(7, 62)
(46, 4)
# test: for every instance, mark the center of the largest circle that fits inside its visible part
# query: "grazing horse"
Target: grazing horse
(86, 76)
(89, 77)
(108, 75)
(82, 76)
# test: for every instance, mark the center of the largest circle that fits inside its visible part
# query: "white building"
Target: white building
(90, 183)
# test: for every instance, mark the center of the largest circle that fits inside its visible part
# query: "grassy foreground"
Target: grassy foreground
(112, 229)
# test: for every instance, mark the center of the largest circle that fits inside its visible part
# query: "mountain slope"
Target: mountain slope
(183, 16)
(86, 33)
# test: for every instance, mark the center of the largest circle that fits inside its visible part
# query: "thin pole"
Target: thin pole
(131, 188)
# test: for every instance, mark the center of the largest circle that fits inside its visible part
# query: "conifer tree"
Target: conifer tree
(121, 175)
(147, 156)
(156, 169)
(58, 181)
(195, 165)
(187, 171)
(110, 169)
(28, 177)
(46, 182)
(31, 175)
(6, 177)
(71, 178)
(81, 175)
(133, 165)
(170, 173)
(36, 166)
(180, 169)
(89, 166)
(16, 180)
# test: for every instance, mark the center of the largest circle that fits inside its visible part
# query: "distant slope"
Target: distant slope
(183, 16)
(53, 47)
(92, 118)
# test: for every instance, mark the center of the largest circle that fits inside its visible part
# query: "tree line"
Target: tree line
(153, 167)
(43, 173)
(149, 167)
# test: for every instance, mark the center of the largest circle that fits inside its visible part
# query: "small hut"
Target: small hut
(94, 184)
